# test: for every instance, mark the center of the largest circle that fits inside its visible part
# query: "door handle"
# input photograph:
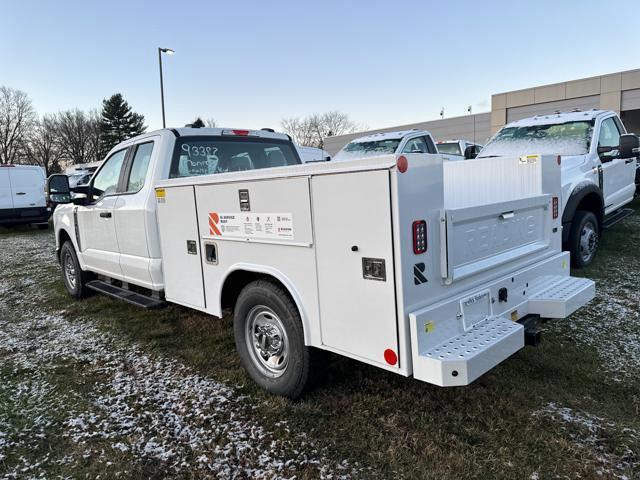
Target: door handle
(20, 193)
(105, 214)
(629, 160)
(507, 215)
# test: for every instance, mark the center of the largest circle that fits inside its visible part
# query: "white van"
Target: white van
(22, 198)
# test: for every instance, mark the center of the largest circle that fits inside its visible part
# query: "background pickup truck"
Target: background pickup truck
(427, 268)
(599, 169)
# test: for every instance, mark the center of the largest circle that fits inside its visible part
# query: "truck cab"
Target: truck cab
(458, 149)
(403, 141)
(598, 169)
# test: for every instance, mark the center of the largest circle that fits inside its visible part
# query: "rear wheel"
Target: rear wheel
(75, 279)
(270, 339)
(584, 238)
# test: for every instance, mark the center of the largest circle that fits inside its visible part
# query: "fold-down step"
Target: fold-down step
(559, 296)
(462, 359)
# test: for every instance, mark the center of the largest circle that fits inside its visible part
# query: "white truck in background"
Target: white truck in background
(458, 149)
(385, 143)
(431, 269)
(22, 198)
(599, 169)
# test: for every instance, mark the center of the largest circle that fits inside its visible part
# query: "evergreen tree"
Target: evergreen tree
(118, 122)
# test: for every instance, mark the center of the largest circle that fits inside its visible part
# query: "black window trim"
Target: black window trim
(128, 165)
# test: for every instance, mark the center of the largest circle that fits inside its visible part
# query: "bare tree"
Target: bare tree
(43, 146)
(211, 122)
(312, 130)
(17, 118)
(79, 136)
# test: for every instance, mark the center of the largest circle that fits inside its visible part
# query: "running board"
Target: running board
(126, 295)
(560, 296)
(617, 216)
(461, 359)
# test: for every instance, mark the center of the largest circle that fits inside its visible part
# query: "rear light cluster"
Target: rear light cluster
(419, 228)
(554, 207)
(241, 133)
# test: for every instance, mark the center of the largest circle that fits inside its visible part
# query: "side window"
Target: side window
(106, 180)
(609, 136)
(431, 148)
(139, 167)
(415, 145)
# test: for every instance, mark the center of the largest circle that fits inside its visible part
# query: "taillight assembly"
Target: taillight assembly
(554, 207)
(419, 228)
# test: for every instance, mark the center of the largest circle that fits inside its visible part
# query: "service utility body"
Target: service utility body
(431, 269)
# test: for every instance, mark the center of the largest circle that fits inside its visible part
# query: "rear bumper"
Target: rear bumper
(15, 216)
(456, 341)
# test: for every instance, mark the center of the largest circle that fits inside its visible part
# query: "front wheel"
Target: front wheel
(75, 280)
(584, 238)
(270, 339)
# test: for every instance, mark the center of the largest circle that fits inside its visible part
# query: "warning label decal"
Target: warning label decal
(251, 225)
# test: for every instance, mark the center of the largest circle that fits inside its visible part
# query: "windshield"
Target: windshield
(451, 148)
(202, 155)
(368, 149)
(570, 138)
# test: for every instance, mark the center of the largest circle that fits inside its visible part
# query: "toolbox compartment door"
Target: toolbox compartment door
(476, 239)
(354, 252)
(180, 245)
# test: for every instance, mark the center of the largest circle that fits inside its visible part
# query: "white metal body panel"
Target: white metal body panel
(353, 211)
(98, 239)
(27, 185)
(182, 268)
(6, 195)
(618, 179)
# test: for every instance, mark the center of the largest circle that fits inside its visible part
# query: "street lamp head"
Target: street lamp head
(168, 51)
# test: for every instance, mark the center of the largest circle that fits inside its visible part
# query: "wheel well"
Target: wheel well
(592, 203)
(62, 237)
(239, 279)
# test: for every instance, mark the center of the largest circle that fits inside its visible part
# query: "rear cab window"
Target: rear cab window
(205, 155)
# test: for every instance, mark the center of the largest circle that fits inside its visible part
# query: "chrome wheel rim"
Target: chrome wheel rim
(267, 340)
(588, 241)
(70, 271)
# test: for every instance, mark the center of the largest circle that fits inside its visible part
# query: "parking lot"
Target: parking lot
(101, 388)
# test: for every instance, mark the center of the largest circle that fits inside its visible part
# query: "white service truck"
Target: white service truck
(401, 261)
(599, 169)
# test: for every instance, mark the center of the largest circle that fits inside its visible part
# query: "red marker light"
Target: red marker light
(243, 133)
(402, 164)
(390, 357)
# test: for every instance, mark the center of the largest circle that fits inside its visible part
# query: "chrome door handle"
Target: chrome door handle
(507, 215)
(105, 214)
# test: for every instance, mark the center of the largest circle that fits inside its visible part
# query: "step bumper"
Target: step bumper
(464, 358)
(559, 297)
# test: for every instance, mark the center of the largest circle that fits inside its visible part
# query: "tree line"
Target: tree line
(69, 137)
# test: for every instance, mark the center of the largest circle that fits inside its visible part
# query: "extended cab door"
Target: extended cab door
(98, 239)
(618, 174)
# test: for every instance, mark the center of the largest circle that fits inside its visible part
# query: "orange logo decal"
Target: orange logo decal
(214, 219)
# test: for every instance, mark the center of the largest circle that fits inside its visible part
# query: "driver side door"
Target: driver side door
(618, 174)
(98, 240)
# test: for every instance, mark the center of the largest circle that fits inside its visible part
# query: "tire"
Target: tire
(74, 278)
(584, 238)
(270, 339)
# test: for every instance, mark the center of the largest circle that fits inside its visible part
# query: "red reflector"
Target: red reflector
(555, 206)
(402, 164)
(244, 133)
(419, 228)
(390, 357)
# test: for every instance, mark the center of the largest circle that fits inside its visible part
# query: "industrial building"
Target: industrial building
(616, 91)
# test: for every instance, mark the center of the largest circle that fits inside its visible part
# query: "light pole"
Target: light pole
(168, 51)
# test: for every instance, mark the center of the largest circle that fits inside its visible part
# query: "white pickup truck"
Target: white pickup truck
(598, 169)
(401, 261)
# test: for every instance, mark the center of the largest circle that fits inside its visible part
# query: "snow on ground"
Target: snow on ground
(139, 406)
(586, 432)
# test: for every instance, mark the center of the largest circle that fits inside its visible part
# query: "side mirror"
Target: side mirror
(58, 190)
(629, 146)
(471, 152)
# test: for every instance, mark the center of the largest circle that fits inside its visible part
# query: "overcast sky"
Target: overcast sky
(249, 64)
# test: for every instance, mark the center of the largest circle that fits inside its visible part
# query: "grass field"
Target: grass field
(98, 388)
